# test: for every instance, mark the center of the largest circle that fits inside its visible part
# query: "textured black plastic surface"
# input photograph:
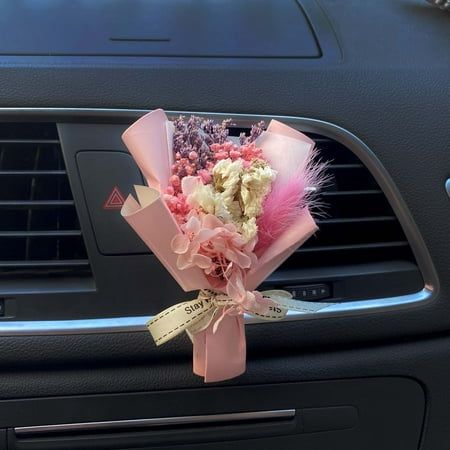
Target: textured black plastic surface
(102, 175)
(148, 28)
(332, 414)
(389, 89)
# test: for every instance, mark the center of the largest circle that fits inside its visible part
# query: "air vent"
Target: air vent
(360, 250)
(39, 229)
(357, 225)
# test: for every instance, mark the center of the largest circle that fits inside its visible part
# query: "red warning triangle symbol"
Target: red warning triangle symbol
(115, 199)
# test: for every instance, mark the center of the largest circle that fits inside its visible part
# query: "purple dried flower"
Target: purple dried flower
(197, 135)
(255, 132)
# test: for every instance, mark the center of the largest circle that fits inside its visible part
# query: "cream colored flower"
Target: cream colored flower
(256, 182)
(227, 179)
(236, 194)
(204, 196)
(249, 229)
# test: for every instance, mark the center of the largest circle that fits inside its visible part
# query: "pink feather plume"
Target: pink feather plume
(288, 200)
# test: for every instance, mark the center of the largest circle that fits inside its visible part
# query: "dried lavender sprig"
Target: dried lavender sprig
(197, 135)
(255, 132)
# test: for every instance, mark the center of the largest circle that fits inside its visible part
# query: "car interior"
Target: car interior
(368, 82)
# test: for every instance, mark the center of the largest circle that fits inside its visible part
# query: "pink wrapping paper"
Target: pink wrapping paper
(221, 355)
(142, 217)
(147, 141)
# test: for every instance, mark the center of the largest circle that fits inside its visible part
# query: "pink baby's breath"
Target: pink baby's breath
(177, 205)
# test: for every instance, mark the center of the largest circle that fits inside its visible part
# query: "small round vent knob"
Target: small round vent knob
(447, 186)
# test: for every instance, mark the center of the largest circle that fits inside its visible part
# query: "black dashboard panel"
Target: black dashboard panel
(380, 90)
(387, 84)
(158, 28)
(337, 413)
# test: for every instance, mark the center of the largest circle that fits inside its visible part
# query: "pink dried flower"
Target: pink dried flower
(216, 248)
(220, 251)
(221, 155)
(175, 181)
(177, 205)
(235, 154)
(250, 152)
(170, 190)
(205, 176)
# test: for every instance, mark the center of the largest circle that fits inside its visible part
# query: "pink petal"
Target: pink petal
(205, 235)
(184, 261)
(202, 261)
(230, 227)
(250, 245)
(211, 221)
(189, 184)
(238, 240)
(241, 259)
(228, 270)
(193, 225)
(180, 244)
(235, 287)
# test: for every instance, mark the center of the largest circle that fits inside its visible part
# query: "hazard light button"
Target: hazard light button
(107, 178)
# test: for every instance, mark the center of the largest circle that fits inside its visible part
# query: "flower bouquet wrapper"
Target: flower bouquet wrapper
(216, 330)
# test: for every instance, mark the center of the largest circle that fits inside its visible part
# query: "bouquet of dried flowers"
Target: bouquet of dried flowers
(221, 214)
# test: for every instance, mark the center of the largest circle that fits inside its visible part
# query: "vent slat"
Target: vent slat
(345, 166)
(355, 220)
(30, 204)
(29, 141)
(39, 229)
(43, 233)
(33, 173)
(355, 192)
(52, 263)
(368, 246)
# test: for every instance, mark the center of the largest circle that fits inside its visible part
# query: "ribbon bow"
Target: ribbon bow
(220, 350)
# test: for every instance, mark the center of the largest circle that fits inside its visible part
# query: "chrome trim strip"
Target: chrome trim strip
(356, 307)
(207, 419)
(138, 323)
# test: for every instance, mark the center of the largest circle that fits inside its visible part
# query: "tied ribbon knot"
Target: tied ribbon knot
(214, 322)
(196, 315)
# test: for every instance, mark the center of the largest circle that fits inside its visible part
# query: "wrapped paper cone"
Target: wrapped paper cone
(142, 216)
(221, 355)
(147, 141)
(286, 149)
(285, 130)
(281, 249)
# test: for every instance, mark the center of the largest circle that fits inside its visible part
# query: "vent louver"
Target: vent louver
(358, 225)
(39, 229)
(360, 250)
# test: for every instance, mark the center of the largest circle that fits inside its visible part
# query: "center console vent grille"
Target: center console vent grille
(358, 224)
(39, 229)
